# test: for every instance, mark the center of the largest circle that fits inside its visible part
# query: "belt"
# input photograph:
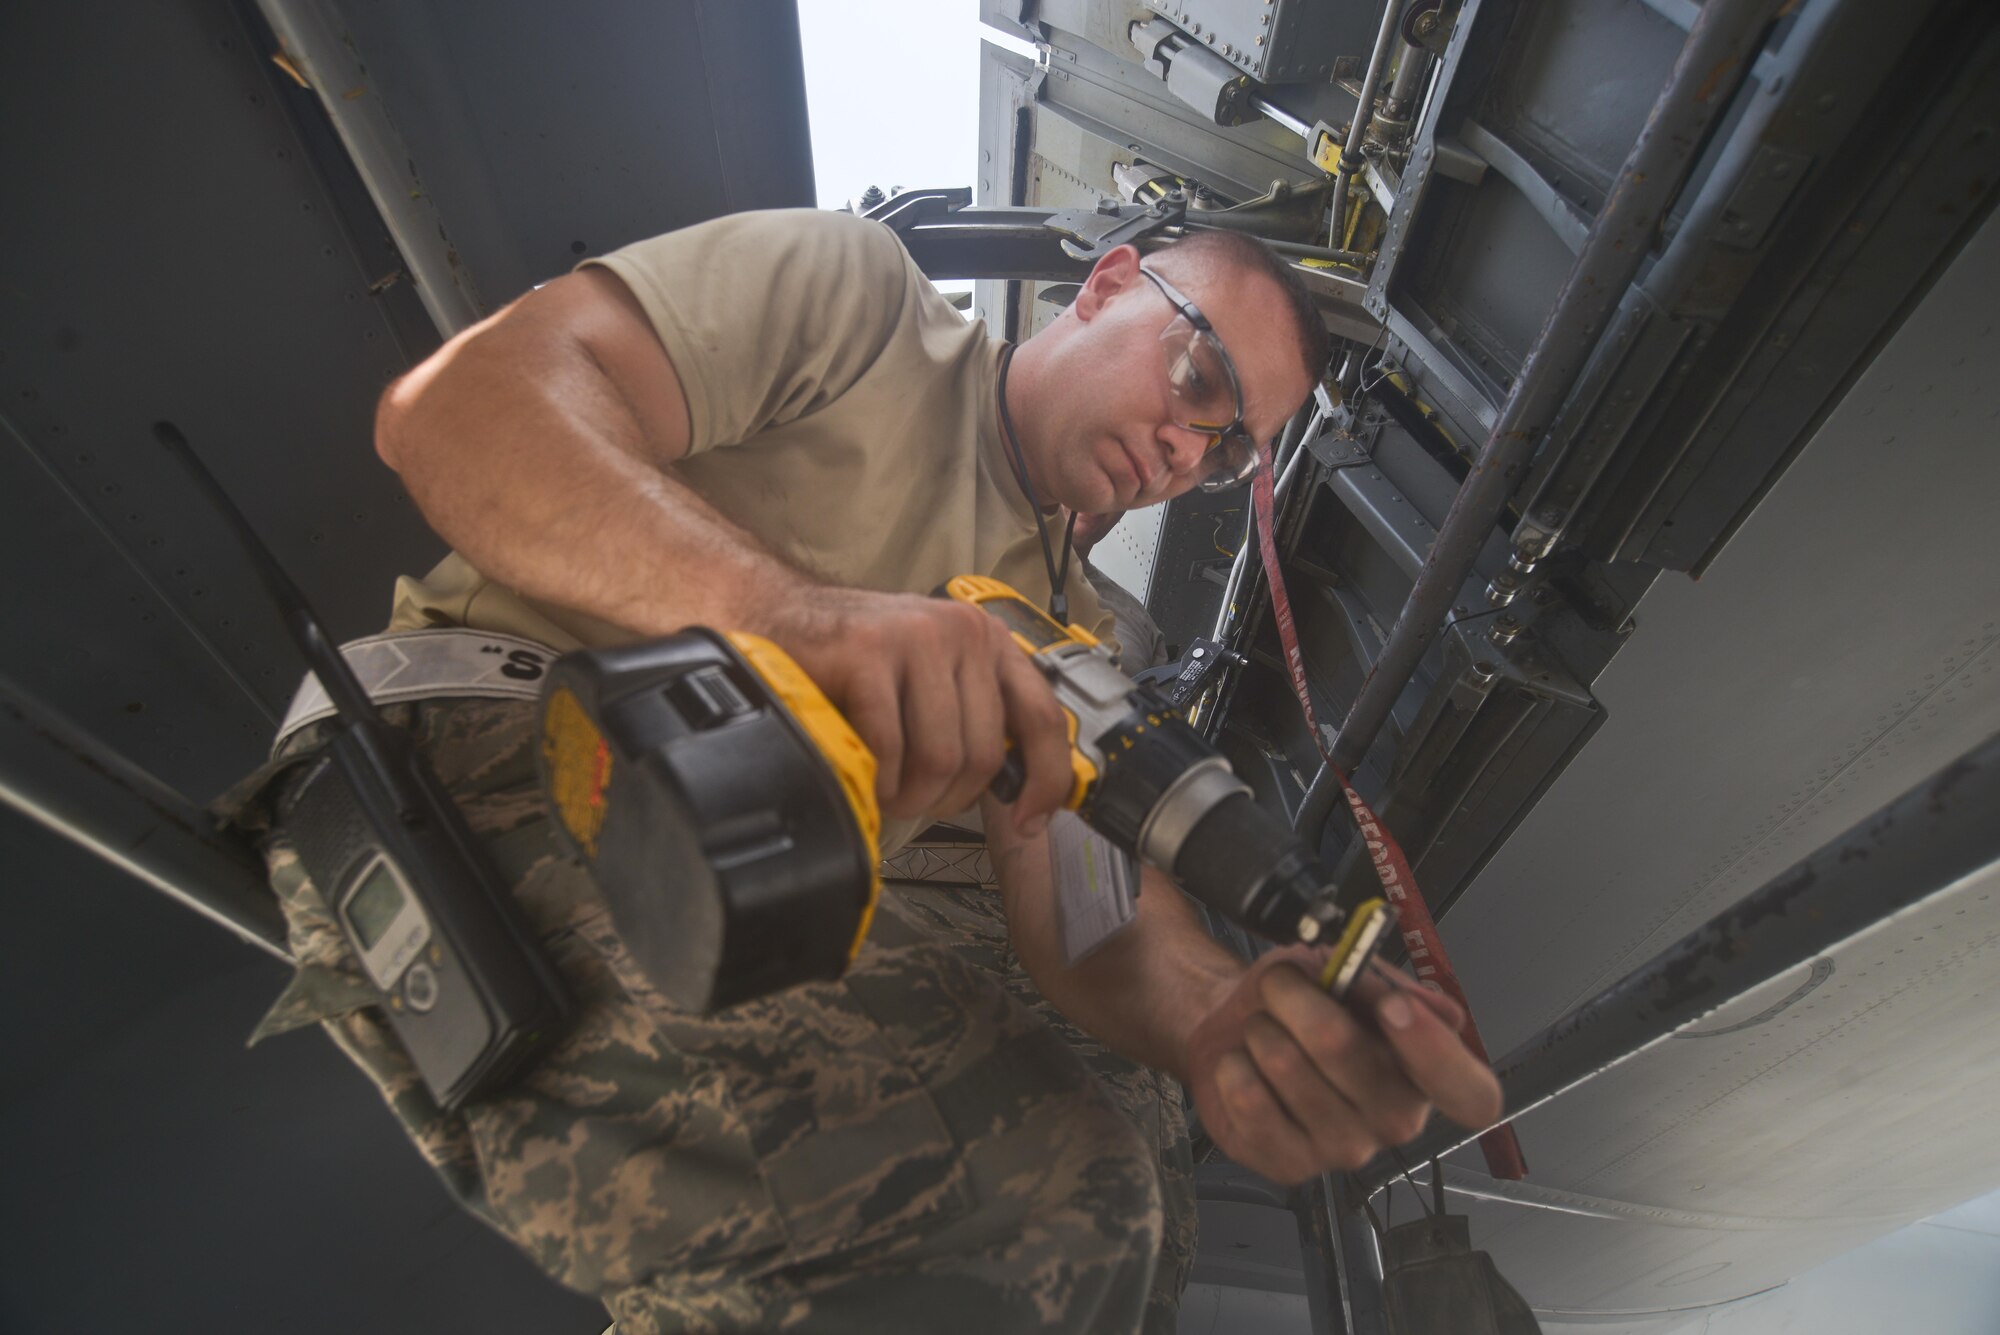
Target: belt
(399, 666)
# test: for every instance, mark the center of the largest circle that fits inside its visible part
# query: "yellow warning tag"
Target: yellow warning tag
(579, 766)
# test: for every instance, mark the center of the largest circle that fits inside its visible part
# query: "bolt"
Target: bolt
(1108, 207)
(1197, 653)
(1483, 670)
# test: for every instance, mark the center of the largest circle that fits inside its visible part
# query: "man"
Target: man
(772, 423)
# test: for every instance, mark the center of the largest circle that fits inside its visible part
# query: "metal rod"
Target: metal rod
(1411, 62)
(1350, 155)
(58, 774)
(1698, 89)
(1357, 1253)
(1278, 114)
(322, 655)
(1299, 250)
(315, 40)
(1290, 249)
(1888, 867)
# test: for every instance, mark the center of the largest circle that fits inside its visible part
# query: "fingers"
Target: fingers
(1423, 1028)
(1380, 976)
(1297, 1083)
(873, 710)
(982, 725)
(1247, 1120)
(935, 687)
(1331, 1055)
(1041, 730)
(1339, 1133)
(1438, 1062)
(933, 739)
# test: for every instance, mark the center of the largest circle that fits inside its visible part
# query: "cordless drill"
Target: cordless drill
(726, 811)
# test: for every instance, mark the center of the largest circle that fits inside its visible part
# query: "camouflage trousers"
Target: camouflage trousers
(923, 1142)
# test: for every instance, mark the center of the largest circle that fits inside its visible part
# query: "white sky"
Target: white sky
(892, 91)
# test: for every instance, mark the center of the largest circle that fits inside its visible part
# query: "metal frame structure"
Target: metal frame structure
(56, 773)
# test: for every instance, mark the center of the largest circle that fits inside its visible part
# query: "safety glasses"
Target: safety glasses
(1205, 393)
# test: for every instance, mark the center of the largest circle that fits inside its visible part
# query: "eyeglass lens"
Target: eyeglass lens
(1198, 376)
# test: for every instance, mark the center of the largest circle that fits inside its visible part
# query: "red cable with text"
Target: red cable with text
(1420, 935)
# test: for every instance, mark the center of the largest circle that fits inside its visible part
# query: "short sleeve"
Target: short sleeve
(769, 316)
(1088, 610)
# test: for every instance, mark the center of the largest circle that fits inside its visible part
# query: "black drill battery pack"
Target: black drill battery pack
(728, 822)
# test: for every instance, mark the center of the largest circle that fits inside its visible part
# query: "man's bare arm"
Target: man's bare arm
(536, 443)
(1143, 991)
(540, 444)
(1289, 1082)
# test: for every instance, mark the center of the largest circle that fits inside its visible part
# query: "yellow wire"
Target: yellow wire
(1431, 415)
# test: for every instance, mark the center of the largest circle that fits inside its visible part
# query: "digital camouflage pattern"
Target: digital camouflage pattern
(923, 1141)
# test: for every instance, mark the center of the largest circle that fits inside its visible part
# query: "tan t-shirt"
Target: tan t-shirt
(841, 410)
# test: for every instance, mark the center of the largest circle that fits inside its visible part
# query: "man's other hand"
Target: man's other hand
(935, 688)
(1291, 1083)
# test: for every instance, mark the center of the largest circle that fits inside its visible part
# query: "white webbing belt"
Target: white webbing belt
(403, 665)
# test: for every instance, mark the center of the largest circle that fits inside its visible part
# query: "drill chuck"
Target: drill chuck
(1245, 863)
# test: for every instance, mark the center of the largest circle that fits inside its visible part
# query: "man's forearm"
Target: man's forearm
(1142, 992)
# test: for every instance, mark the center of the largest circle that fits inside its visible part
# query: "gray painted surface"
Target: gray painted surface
(1940, 1276)
(1844, 645)
(186, 242)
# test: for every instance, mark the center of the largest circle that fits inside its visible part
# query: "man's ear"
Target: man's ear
(1115, 271)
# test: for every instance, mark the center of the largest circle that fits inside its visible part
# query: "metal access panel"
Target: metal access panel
(1277, 41)
(1089, 80)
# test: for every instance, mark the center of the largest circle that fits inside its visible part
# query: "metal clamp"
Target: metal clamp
(1088, 235)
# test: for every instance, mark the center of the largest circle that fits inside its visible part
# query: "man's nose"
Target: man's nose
(1185, 446)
